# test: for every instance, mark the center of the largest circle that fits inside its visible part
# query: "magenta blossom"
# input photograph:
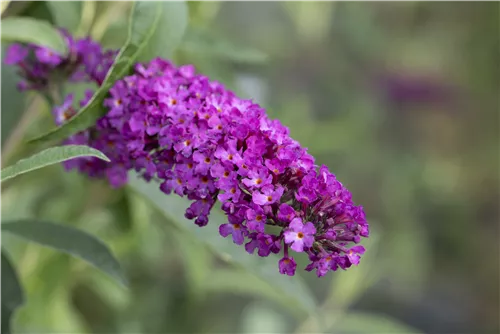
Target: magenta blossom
(300, 235)
(197, 139)
(287, 266)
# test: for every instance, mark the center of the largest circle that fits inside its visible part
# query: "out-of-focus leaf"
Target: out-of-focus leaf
(172, 24)
(29, 8)
(49, 157)
(12, 101)
(12, 293)
(201, 42)
(346, 287)
(29, 30)
(368, 323)
(196, 261)
(145, 19)
(66, 14)
(311, 20)
(243, 282)
(68, 240)
(114, 37)
(34, 9)
(351, 284)
(260, 318)
(4, 5)
(291, 288)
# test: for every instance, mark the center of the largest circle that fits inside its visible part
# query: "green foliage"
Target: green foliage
(49, 157)
(203, 43)
(414, 166)
(368, 323)
(68, 240)
(28, 30)
(171, 21)
(66, 14)
(12, 293)
(4, 5)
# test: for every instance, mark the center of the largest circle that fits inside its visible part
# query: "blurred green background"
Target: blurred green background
(399, 99)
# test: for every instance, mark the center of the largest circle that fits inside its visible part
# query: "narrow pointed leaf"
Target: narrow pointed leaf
(48, 157)
(68, 240)
(29, 30)
(295, 290)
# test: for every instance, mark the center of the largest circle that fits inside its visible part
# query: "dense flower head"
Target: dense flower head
(39, 65)
(200, 141)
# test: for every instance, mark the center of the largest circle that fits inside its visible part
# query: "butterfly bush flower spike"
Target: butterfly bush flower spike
(200, 141)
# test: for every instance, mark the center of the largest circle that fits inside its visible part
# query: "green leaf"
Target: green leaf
(172, 24)
(29, 30)
(258, 318)
(68, 240)
(48, 157)
(146, 17)
(66, 14)
(12, 293)
(244, 282)
(33, 9)
(94, 109)
(202, 42)
(346, 288)
(292, 288)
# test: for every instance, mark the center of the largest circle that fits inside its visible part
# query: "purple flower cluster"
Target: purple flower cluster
(39, 65)
(202, 142)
